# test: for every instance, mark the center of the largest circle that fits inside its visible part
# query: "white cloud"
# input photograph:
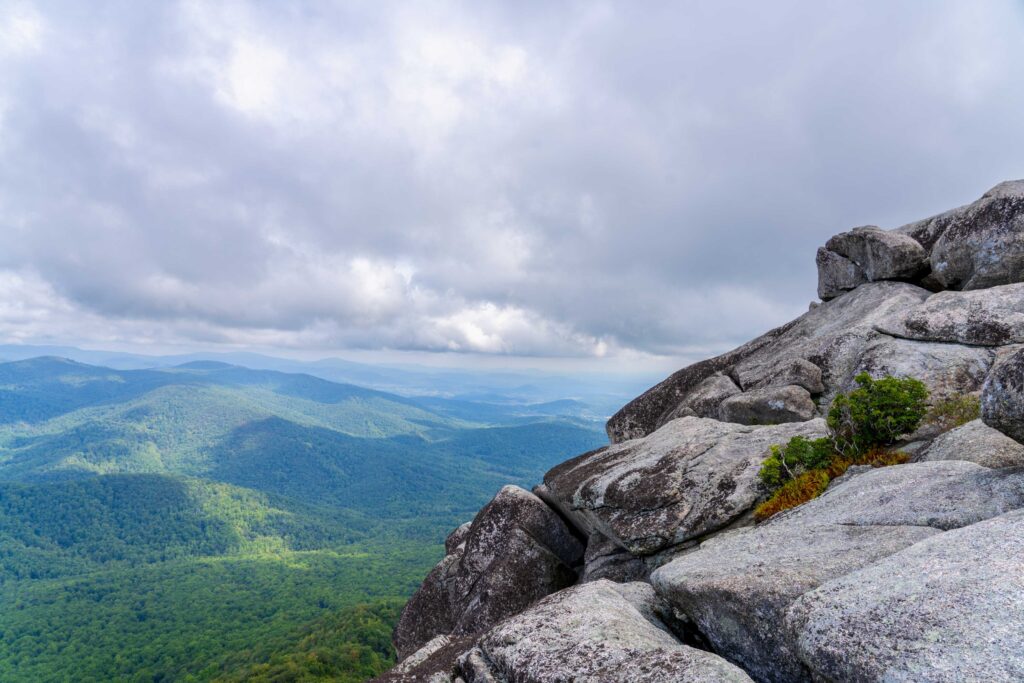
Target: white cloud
(603, 181)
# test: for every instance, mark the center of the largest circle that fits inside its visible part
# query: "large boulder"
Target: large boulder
(598, 631)
(706, 397)
(737, 587)
(769, 405)
(982, 244)
(691, 477)
(831, 337)
(1002, 397)
(948, 609)
(978, 443)
(881, 254)
(983, 317)
(606, 559)
(516, 551)
(836, 274)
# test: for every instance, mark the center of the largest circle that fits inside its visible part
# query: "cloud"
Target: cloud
(602, 180)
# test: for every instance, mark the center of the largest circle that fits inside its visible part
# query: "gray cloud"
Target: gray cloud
(579, 179)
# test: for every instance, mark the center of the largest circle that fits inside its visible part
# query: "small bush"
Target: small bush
(955, 411)
(876, 413)
(861, 425)
(798, 456)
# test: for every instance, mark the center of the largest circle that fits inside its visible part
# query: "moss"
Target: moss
(805, 487)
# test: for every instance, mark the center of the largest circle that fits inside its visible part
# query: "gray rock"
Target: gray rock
(948, 609)
(984, 317)
(769, 405)
(606, 559)
(796, 371)
(836, 274)
(1002, 397)
(880, 254)
(831, 337)
(517, 551)
(435, 662)
(592, 633)
(978, 443)
(691, 477)
(457, 537)
(706, 397)
(737, 587)
(982, 244)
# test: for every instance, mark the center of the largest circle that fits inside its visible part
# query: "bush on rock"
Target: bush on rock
(862, 424)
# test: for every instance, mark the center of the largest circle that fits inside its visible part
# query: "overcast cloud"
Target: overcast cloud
(618, 180)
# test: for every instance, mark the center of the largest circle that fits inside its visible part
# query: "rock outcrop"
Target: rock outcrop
(516, 551)
(641, 561)
(692, 477)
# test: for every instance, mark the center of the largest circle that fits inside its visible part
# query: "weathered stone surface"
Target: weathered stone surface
(836, 274)
(691, 477)
(769, 405)
(983, 244)
(949, 609)
(798, 371)
(831, 337)
(978, 443)
(594, 632)
(433, 663)
(1002, 397)
(881, 254)
(516, 551)
(984, 317)
(706, 397)
(606, 559)
(737, 587)
(457, 537)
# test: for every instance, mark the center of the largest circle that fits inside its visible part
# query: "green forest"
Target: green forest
(210, 522)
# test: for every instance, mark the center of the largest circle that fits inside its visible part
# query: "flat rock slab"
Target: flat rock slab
(983, 317)
(737, 587)
(691, 477)
(978, 443)
(949, 609)
(516, 551)
(595, 632)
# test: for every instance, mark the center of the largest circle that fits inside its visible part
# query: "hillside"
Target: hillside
(209, 520)
(840, 499)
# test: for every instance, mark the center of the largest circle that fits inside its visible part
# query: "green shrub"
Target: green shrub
(955, 411)
(796, 457)
(876, 413)
(861, 425)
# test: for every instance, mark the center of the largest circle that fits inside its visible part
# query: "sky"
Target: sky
(570, 184)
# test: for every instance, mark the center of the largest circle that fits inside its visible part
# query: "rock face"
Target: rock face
(982, 245)
(948, 609)
(908, 573)
(516, 551)
(831, 337)
(737, 587)
(985, 317)
(978, 443)
(1002, 398)
(691, 477)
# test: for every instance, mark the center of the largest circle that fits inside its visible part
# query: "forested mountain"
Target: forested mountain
(209, 520)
